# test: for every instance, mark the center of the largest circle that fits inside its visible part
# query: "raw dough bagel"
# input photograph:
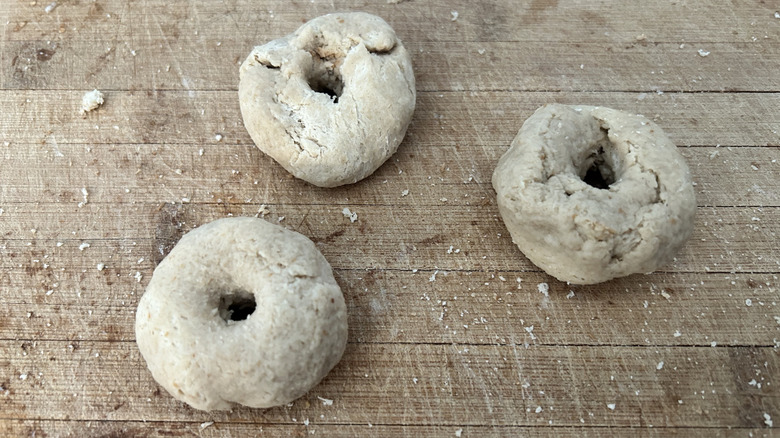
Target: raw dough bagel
(332, 101)
(241, 311)
(590, 193)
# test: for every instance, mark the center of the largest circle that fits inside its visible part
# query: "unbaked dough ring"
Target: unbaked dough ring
(591, 193)
(241, 311)
(332, 101)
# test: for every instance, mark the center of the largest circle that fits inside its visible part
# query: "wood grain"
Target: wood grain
(443, 340)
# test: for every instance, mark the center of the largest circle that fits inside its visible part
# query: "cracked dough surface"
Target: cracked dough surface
(577, 232)
(332, 101)
(296, 334)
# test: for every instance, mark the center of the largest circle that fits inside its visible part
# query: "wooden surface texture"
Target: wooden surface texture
(449, 335)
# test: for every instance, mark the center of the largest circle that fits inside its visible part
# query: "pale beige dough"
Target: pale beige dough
(201, 351)
(332, 101)
(580, 233)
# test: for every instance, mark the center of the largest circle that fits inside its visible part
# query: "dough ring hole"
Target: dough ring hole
(236, 306)
(600, 169)
(326, 79)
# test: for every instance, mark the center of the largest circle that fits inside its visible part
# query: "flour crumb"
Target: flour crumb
(453, 15)
(206, 424)
(544, 288)
(1, 211)
(458, 433)
(101, 266)
(218, 137)
(85, 195)
(138, 276)
(405, 193)
(91, 101)
(530, 331)
(50, 8)
(665, 294)
(262, 211)
(660, 365)
(325, 401)
(570, 295)
(352, 216)
(677, 334)
(777, 15)
(767, 418)
(703, 53)
(83, 246)
(748, 302)
(611, 406)
(23, 377)
(538, 409)
(432, 278)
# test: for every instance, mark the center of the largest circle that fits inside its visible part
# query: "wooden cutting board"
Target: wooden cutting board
(449, 332)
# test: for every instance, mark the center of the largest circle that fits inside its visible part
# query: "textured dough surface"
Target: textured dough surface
(317, 137)
(580, 233)
(296, 334)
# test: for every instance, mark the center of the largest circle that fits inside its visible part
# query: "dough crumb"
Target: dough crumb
(325, 401)
(453, 15)
(349, 214)
(570, 295)
(83, 246)
(459, 433)
(85, 194)
(50, 8)
(767, 417)
(611, 406)
(544, 288)
(206, 424)
(101, 266)
(703, 53)
(405, 193)
(660, 365)
(777, 15)
(91, 101)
